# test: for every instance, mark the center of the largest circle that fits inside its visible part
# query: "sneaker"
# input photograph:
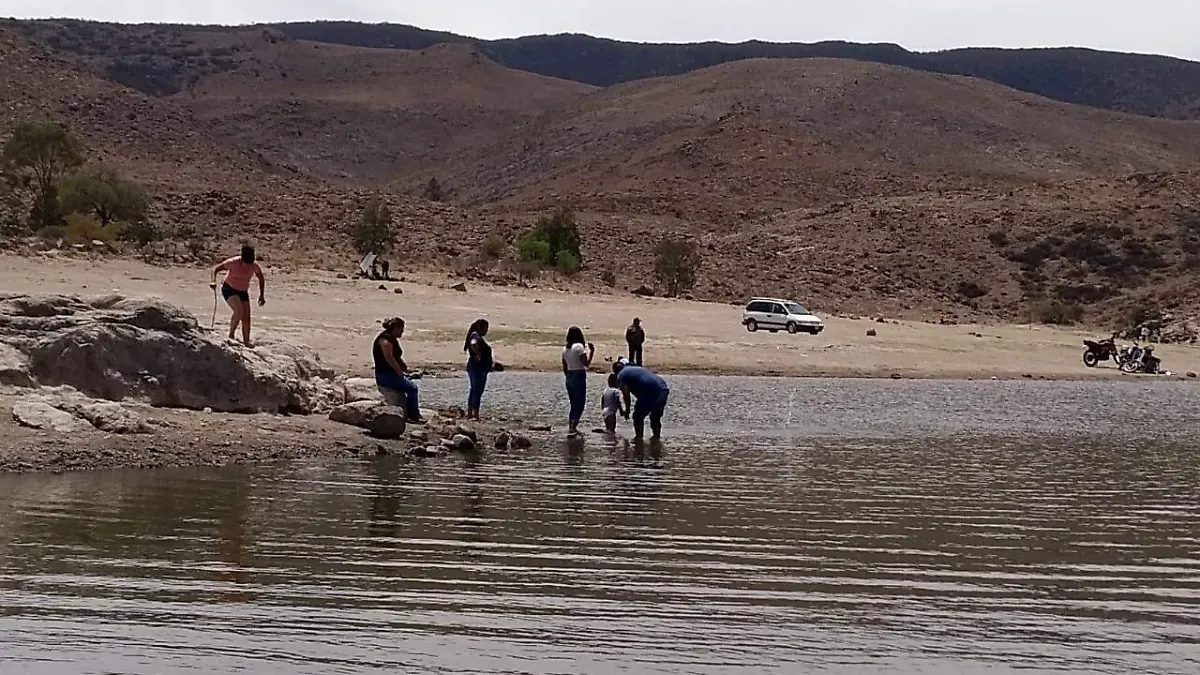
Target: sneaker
(416, 420)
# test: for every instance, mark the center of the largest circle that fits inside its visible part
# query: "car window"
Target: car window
(777, 309)
(757, 307)
(794, 308)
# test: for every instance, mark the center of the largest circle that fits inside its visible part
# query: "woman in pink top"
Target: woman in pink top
(236, 289)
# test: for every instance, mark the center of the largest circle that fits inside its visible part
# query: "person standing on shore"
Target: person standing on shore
(575, 361)
(635, 337)
(479, 365)
(651, 392)
(236, 289)
(391, 372)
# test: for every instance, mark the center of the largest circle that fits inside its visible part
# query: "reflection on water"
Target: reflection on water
(743, 553)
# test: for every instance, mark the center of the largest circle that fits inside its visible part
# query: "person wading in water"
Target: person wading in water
(479, 364)
(391, 372)
(575, 361)
(651, 392)
(635, 337)
(236, 289)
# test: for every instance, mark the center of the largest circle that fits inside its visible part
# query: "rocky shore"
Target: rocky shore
(110, 382)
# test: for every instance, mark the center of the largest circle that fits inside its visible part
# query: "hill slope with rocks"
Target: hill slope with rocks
(851, 185)
(756, 136)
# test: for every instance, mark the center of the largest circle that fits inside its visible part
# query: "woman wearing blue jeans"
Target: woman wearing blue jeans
(391, 372)
(575, 360)
(479, 364)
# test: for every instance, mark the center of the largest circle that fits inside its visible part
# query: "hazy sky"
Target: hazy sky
(1151, 26)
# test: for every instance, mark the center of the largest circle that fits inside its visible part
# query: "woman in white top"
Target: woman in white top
(575, 361)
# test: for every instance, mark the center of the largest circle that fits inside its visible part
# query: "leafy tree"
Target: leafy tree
(675, 264)
(532, 248)
(374, 233)
(533, 252)
(561, 232)
(105, 193)
(46, 150)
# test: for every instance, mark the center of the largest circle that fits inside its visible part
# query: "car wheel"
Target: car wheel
(751, 325)
(793, 328)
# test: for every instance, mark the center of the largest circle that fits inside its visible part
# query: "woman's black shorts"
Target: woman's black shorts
(228, 291)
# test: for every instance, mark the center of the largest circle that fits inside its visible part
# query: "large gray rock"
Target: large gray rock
(118, 348)
(356, 413)
(381, 420)
(41, 415)
(108, 416)
(387, 422)
(14, 367)
(361, 389)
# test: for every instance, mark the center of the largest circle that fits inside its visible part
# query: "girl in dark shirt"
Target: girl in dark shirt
(479, 364)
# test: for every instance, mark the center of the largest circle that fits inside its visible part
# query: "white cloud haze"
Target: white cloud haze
(1149, 26)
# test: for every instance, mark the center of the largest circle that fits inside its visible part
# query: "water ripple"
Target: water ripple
(972, 545)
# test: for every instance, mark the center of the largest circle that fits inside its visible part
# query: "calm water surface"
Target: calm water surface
(782, 527)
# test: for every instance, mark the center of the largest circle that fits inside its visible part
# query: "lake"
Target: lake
(783, 526)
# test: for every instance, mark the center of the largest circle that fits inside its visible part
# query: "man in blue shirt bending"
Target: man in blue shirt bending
(651, 392)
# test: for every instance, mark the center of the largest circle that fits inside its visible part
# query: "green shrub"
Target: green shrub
(560, 231)
(82, 228)
(567, 263)
(532, 248)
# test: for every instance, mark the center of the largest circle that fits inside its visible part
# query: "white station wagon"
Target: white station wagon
(774, 314)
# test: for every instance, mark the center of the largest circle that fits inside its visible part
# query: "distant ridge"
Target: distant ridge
(1156, 86)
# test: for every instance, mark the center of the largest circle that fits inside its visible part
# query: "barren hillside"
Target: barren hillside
(756, 136)
(154, 140)
(350, 114)
(369, 115)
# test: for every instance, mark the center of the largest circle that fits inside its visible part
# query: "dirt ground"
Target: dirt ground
(338, 317)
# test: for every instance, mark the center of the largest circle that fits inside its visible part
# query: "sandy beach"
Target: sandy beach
(338, 317)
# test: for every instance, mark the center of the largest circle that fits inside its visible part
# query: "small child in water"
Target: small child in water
(610, 402)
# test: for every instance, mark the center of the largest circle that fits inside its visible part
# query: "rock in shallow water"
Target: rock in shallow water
(462, 443)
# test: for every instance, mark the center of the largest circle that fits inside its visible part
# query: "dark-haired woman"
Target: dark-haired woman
(391, 372)
(576, 358)
(236, 289)
(479, 364)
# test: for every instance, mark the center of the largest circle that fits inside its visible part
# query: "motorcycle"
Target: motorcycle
(1102, 350)
(1141, 360)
